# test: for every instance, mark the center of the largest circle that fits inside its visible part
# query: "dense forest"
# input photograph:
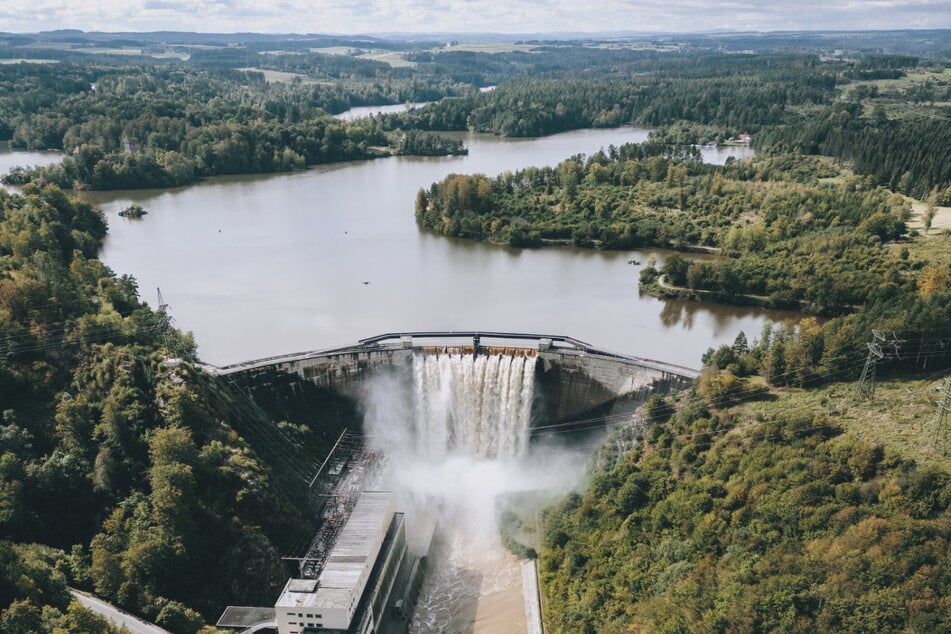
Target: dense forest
(132, 469)
(783, 523)
(743, 94)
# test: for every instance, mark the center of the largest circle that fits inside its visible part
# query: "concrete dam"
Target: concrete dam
(571, 379)
(408, 537)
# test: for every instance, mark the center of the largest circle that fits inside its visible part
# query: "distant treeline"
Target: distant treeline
(724, 90)
(165, 124)
(786, 102)
(132, 128)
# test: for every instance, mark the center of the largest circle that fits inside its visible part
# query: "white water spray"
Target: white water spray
(456, 434)
(473, 404)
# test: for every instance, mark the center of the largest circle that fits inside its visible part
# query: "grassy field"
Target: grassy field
(932, 246)
(900, 416)
(25, 60)
(488, 47)
(891, 93)
(395, 59)
(940, 76)
(133, 50)
(940, 222)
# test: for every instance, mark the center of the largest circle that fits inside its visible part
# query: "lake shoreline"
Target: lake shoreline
(256, 266)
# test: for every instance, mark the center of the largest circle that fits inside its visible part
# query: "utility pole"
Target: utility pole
(882, 347)
(939, 425)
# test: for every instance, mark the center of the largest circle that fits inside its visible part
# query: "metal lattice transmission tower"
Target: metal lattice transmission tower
(165, 323)
(938, 432)
(882, 347)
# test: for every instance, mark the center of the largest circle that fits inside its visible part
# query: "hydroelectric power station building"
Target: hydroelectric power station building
(360, 586)
(354, 587)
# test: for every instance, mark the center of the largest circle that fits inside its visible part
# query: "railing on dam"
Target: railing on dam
(476, 338)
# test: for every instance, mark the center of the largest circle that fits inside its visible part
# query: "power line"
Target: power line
(938, 433)
(266, 441)
(884, 346)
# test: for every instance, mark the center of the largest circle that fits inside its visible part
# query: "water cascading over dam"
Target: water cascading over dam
(479, 405)
(465, 429)
(572, 380)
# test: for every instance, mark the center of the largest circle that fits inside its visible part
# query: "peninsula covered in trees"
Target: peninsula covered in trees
(128, 127)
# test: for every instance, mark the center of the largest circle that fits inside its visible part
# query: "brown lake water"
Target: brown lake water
(257, 266)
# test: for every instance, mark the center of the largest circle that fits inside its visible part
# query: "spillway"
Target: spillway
(456, 432)
(479, 405)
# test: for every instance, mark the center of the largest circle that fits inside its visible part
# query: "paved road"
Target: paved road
(117, 616)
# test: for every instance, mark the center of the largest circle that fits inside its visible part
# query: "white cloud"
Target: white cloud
(506, 16)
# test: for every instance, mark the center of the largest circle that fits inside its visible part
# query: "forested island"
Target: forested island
(770, 497)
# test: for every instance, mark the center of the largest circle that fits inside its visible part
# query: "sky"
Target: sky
(469, 16)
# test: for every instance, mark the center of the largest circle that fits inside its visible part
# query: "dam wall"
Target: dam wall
(572, 379)
(573, 384)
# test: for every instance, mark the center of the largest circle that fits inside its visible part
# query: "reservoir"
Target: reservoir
(257, 266)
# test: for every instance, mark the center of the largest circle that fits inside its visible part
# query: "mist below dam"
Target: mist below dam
(456, 436)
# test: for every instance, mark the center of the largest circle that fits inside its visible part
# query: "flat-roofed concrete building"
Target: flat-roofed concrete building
(354, 586)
